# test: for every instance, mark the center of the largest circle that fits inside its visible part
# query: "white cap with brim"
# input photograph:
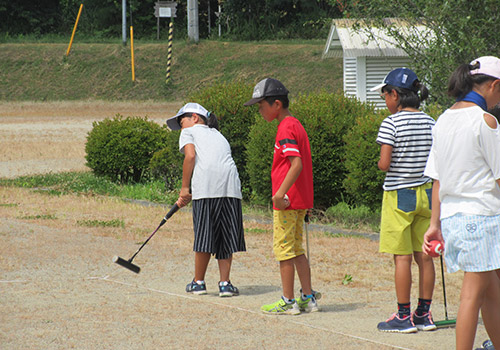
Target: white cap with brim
(190, 107)
(488, 65)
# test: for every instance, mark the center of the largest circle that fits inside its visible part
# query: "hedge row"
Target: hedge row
(342, 133)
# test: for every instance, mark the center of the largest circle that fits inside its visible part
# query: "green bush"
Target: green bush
(327, 117)
(166, 164)
(363, 181)
(226, 100)
(259, 154)
(121, 149)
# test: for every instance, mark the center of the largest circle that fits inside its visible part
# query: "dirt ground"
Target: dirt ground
(59, 288)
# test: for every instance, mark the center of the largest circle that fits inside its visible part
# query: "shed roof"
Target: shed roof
(353, 38)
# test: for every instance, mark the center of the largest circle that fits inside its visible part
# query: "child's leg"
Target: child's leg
(304, 272)
(287, 271)
(201, 261)
(426, 275)
(225, 268)
(402, 278)
(472, 296)
(490, 309)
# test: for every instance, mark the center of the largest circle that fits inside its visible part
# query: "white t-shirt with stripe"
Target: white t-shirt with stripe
(410, 135)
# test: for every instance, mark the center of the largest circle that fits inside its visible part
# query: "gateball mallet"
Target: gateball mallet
(446, 322)
(128, 263)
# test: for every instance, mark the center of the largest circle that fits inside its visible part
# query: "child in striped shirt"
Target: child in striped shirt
(405, 138)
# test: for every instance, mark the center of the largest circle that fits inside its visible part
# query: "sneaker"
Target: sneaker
(308, 305)
(196, 288)
(398, 325)
(424, 322)
(317, 295)
(488, 345)
(226, 289)
(281, 308)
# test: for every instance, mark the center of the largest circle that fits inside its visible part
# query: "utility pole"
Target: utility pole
(193, 27)
(124, 22)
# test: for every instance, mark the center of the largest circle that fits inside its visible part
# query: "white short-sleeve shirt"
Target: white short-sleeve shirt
(465, 158)
(215, 174)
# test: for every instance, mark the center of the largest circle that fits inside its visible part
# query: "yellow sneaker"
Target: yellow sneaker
(281, 308)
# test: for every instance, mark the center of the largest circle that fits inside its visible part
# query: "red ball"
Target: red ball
(436, 248)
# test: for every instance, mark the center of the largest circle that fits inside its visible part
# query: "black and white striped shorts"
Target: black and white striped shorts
(218, 226)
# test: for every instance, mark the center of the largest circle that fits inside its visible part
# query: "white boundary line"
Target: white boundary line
(106, 278)
(13, 281)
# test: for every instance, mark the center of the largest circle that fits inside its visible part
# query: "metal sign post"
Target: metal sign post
(166, 9)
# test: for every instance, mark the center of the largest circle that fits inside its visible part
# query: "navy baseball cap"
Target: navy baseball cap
(399, 77)
(266, 88)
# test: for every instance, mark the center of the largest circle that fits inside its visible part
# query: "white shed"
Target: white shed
(366, 59)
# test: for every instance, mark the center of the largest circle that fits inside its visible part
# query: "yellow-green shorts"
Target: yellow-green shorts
(287, 236)
(406, 214)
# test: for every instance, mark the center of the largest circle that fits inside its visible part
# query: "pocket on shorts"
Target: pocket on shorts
(407, 200)
(429, 197)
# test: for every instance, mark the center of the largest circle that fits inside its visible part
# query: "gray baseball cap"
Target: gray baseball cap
(266, 88)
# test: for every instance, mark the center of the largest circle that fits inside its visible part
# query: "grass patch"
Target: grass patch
(89, 184)
(341, 215)
(257, 230)
(102, 70)
(350, 217)
(39, 217)
(8, 205)
(102, 223)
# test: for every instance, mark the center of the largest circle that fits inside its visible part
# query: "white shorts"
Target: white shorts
(472, 242)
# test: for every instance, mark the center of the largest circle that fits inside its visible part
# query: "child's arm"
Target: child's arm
(385, 157)
(187, 172)
(434, 230)
(290, 178)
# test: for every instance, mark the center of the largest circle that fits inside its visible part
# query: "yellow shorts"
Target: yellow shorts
(406, 215)
(287, 236)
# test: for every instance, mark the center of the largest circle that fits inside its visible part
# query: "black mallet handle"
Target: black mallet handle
(128, 264)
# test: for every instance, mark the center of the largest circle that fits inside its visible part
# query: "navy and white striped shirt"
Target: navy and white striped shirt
(410, 135)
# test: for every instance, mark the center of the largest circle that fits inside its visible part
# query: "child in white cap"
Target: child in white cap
(211, 180)
(465, 165)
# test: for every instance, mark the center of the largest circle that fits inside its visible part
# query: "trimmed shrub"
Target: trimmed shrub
(327, 118)
(121, 149)
(226, 100)
(364, 180)
(166, 164)
(259, 155)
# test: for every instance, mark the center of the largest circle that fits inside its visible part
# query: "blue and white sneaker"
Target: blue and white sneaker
(424, 322)
(196, 287)
(226, 289)
(487, 345)
(398, 325)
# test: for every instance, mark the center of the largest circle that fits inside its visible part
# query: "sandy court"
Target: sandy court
(40, 137)
(60, 289)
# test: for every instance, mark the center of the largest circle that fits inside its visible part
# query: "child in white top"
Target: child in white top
(210, 179)
(465, 165)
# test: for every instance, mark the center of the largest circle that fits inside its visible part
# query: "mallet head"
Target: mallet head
(126, 264)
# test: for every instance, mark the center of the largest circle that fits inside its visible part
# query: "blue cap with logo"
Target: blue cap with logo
(399, 77)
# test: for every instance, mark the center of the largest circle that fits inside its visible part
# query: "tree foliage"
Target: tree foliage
(241, 20)
(460, 31)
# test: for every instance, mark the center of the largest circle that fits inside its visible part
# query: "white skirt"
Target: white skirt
(472, 242)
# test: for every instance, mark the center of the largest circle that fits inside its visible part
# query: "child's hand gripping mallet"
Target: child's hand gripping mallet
(128, 263)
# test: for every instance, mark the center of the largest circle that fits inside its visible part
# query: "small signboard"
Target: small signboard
(165, 9)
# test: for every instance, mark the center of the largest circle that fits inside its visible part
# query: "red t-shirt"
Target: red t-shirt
(292, 141)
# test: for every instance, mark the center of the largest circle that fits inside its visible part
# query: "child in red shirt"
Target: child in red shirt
(292, 189)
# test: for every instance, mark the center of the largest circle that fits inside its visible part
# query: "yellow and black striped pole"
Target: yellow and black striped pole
(169, 54)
